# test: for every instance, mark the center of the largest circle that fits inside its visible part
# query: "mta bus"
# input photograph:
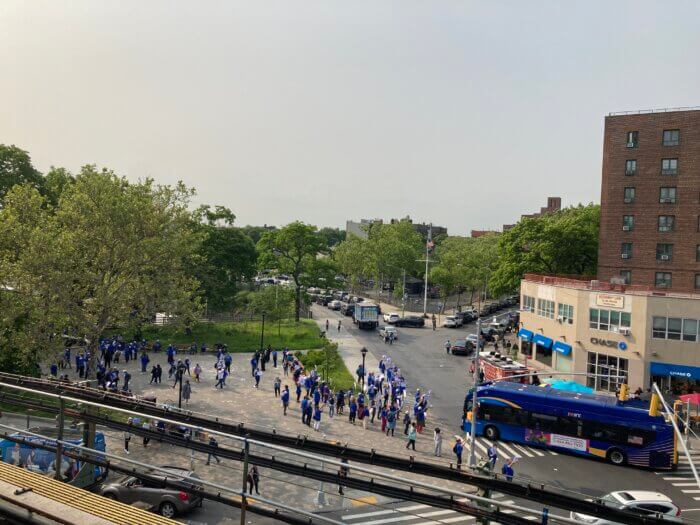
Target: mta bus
(43, 461)
(588, 425)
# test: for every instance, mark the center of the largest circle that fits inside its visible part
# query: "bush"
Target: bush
(338, 375)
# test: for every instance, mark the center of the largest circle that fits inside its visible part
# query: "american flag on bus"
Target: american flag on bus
(429, 243)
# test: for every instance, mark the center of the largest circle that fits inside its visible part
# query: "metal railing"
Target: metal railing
(657, 110)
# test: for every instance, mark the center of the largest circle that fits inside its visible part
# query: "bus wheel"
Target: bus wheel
(491, 433)
(616, 456)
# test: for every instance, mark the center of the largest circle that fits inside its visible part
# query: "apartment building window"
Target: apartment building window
(669, 166)
(697, 281)
(609, 320)
(664, 252)
(545, 308)
(626, 250)
(671, 137)
(630, 167)
(662, 279)
(666, 223)
(565, 312)
(675, 328)
(697, 253)
(528, 303)
(607, 372)
(628, 223)
(632, 139)
(626, 276)
(629, 195)
(667, 195)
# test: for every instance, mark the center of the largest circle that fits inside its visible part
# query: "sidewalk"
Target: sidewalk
(348, 346)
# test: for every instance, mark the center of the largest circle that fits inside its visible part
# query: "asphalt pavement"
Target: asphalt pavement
(420, 354)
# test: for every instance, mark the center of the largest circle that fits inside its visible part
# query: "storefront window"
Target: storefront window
(543, 355)
(611, 371)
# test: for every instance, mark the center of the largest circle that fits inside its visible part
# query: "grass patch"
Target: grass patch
(340, 376)
(242, 337)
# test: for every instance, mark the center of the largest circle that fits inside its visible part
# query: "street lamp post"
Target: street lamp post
(472, 444)
(262, 332)
(364, 353)
(179, 378)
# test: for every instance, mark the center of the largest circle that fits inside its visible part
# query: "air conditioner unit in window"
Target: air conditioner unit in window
(625, 255)
(626, 228)
(664, 257)
(560, 318)
(631, 144)
(666, 200)
(628, 200)
(625, 331)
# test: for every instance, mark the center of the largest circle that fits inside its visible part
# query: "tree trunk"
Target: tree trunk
(297, 301)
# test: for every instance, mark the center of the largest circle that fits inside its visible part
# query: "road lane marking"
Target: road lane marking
(447, 520)
(684, 484)
(407, 518)
(397, 510)
(512, 452)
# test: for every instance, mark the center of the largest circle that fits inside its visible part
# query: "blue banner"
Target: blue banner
(679, 371)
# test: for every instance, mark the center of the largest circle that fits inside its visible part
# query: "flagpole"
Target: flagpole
(427, 255)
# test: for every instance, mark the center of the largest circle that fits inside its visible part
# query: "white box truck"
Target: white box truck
(366, 316)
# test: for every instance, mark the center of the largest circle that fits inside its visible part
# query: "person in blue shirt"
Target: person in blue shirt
(304, 402)
(493, 455)
(258, 375)
(54, 370)
(203, 347)
(253, 365)
(127, 378)
(317, 418)
(309, 413)
(317, 398)
(298, 391)
(66, 357)
(274, 358)
(507, 470)
(171, 354)
(353, 410)
(157, 346)
(227, 362)
(144, 362)
(285, 399)
(457, 449)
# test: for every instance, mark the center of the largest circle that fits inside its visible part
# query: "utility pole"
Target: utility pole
(472, 444)
(428, 247)
(59, 441)
(246, 453)
(262, 332)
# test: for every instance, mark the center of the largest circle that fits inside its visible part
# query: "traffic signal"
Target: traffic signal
(654, 405)
(624, 392)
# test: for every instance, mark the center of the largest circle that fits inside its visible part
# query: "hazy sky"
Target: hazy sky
(465, 114)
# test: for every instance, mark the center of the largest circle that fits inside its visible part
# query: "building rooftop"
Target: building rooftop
(658, 110)
(603, 286)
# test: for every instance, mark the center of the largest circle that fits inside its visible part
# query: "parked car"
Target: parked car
(347, 309)
(356, 299)
(452, 321)
(473, 339)
(335, 304)
(391, 317)
(167, 502)
(384, 332)
(642, 502)
(462, 347)
(414, 321)
(466, 317)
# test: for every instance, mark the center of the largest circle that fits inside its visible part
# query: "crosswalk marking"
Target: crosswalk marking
(508, 449)
(384, 512)
(407, 518)
(456, 519)
(524, 451)
(677, 479)
(685, 484)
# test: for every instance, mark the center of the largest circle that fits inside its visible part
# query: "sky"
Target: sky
(460, 113)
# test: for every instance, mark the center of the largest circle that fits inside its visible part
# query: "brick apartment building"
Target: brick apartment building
(650, 200)
(553, 206)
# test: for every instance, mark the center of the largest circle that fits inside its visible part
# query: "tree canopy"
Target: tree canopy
(16, 168)
(292, 250)
(565, 242)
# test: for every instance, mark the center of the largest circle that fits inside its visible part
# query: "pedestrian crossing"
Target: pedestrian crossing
(508, 450)
(682, 478)
(406, 513)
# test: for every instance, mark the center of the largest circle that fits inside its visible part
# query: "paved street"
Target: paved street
(420, 354)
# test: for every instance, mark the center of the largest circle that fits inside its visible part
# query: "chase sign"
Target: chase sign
(620, 345)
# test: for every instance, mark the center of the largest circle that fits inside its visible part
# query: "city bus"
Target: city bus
(589, 425)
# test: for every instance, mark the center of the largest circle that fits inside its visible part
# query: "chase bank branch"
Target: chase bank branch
(620, 333)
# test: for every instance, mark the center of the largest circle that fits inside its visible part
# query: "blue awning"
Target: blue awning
(525, 334)
(562, 348)
(680, 371)
(541, 340)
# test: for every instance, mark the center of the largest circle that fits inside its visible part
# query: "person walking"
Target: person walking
(352, 411)
(159, 370)
(197, 372)
(412, 434)
(298, 391)
(220, 375)
(253, 479)
(215, 444)
(285, 400)
(434, 322)
(327, 323)
(274, 358)
(365, 416)
(493, 455)
(458, 449)
(406, 422)
(277, 385)
(448, 346)
(127, 436)
(258, 375)
(342, 474)
(317, 418)
(146, 426)
(391, 421)
(508, 471)
(144, 362)
(186, 391)
(339, 322)
(437, 438)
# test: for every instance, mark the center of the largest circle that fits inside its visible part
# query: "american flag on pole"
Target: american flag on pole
(429, 243)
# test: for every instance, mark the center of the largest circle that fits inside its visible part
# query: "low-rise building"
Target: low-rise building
(571, 326)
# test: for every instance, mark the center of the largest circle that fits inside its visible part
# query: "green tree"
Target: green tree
(563, 243)
(227, 256)
(16, 168)
(332, 236)
(55, 181)
(292, 250)
(110, 254)
(352, 259)
(277, 302)
(256, 232)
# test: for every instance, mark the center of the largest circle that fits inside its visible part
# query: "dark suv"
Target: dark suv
(414, 321)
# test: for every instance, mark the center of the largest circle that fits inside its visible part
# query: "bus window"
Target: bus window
(543, 422)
